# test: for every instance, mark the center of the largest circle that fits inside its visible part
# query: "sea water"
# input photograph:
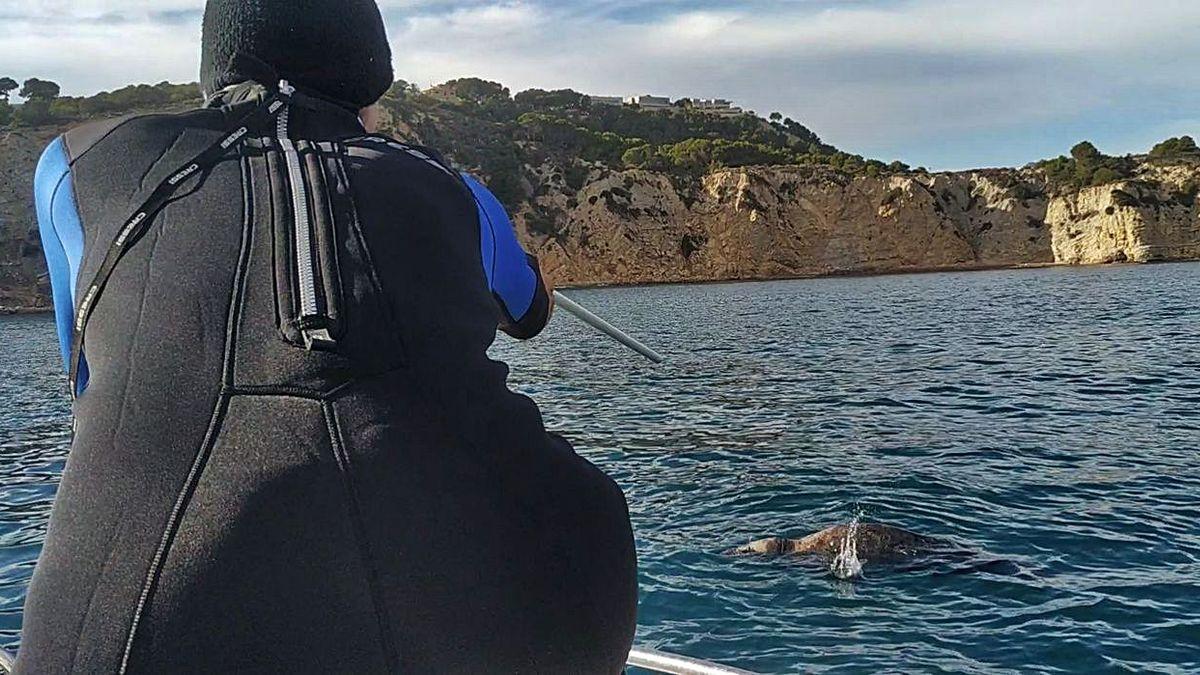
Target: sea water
(1047, 422)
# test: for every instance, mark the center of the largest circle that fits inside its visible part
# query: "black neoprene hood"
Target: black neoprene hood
(334, 48)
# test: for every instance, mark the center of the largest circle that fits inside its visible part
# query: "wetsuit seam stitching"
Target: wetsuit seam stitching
(368, 258)
(280, 391)
(58, 235)
(171, 530)
(481, 215)
(283, 315)
(360, 533)
(72, 279)
(269, 391)
(337, 284)
(124, 410)
(237, 303)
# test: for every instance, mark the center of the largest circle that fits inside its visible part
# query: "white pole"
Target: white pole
(662, 662)
(605, 327)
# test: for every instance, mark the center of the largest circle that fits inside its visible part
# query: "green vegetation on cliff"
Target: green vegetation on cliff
(1171, 149)
(44, 106)
(482, 126)
(1088, 167)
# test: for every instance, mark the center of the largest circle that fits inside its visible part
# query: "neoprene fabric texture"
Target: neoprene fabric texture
(335, 48)
(234, 502)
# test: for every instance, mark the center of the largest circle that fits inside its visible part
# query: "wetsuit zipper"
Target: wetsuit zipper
(318, 336)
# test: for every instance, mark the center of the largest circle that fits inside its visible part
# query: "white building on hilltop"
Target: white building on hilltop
(711, 106)
(608, 100)
(649, 102)
(717, 106)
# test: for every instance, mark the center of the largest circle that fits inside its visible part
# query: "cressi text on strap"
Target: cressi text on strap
(139, 223)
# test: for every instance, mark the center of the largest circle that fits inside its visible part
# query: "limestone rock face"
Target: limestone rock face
(1126, 222)
(1002, 214)
(779, 222)
(636, 226)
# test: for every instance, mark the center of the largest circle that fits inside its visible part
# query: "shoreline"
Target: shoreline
(847, 274)
(853, 274)
(25, 311)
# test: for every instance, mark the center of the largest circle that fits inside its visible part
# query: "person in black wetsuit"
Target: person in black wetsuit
(292, 453)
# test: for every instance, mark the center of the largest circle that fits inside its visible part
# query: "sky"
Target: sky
(946, 84)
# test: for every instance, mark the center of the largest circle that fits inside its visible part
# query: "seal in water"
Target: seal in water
(874, 541)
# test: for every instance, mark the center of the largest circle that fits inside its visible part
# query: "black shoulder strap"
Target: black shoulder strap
(139, 223)
(426, 155)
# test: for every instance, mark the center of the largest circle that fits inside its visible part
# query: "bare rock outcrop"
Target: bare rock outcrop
(23, 281)
(1126, 222)
(779, 222)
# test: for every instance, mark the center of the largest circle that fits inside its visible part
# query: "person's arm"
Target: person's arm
(525, 298)
(62, 242)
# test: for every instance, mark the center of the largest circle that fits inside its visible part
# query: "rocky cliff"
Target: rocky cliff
(613, 226)
(781, 222)
(23, 282)
(1136, 221)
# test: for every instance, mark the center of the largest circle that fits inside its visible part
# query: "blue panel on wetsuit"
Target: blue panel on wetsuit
(505, 263)
(62, 240)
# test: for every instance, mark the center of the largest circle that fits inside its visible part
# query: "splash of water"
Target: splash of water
(847, 565)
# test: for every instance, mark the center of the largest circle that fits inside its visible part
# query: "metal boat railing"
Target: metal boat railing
(646, 659)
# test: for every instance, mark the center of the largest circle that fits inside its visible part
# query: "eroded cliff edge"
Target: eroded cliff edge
(783, 222)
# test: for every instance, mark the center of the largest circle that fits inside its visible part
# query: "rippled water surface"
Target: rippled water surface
(1044, 422)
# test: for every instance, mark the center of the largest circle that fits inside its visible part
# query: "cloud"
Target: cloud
(937, 82)
(887, 79)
